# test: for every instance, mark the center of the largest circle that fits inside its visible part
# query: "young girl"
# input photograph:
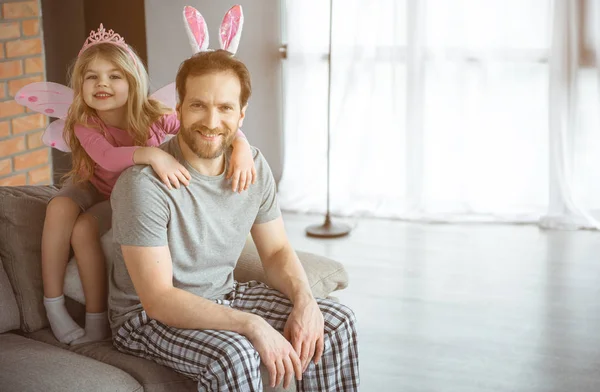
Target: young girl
(112, 124)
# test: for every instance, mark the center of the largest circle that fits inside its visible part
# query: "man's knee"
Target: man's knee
(336, 315)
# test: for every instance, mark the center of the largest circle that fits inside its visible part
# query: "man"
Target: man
(172, 294)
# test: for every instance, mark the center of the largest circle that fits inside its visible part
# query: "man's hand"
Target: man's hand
(304, 329)
(275, 352)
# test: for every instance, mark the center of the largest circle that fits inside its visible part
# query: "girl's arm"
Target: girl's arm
(170, 124)
(117, 159)
(107, 156)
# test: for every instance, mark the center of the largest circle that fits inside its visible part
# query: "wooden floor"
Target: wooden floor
(461, 308)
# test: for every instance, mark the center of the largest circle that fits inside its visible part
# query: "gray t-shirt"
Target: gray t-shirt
(204, 224)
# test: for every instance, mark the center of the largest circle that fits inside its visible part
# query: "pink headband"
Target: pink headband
(106, 37)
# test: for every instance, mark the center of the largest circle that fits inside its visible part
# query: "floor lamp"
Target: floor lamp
(328, 229)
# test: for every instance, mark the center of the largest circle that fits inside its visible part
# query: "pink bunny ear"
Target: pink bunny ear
(53, 136)
(51, 99)
(167, 95)
(196, 29)
(231, 29)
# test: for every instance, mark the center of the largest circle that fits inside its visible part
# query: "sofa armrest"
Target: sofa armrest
(324, 274)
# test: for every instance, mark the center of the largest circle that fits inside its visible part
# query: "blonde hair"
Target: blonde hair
(142, 111)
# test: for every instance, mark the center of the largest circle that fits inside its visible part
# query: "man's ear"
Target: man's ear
(178, 110)
(242, 116)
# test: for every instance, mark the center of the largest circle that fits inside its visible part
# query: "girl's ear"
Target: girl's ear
(231, 29)
(196, 29)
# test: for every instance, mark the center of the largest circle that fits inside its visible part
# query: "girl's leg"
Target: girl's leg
(92, 271)
(61, 214)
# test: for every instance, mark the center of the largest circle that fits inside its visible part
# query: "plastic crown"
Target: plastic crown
(102, 36)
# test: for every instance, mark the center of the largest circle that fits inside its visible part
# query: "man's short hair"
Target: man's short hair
(204, 63)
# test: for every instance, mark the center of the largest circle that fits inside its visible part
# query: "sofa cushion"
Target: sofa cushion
(153, 377)
(324, 275)
(22, 214)
(9, 312)
(28, 365)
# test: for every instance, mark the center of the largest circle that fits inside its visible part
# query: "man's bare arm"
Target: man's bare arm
(280, 262)
(151, 271)
(305, 325)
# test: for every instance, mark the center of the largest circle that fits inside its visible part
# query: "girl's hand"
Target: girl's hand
(241, 168)
(168, 169)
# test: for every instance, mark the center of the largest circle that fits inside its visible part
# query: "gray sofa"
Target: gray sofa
(31, 359)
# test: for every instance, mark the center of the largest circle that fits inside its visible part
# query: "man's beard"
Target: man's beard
(205, 149)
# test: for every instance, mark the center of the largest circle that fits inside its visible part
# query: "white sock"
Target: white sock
(63, 326)
(96, 328)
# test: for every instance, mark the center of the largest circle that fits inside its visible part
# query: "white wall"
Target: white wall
(168, 46)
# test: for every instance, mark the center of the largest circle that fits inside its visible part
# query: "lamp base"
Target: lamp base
(328, 229)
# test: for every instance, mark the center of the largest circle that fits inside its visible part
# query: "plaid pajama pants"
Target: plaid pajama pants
(227, 361)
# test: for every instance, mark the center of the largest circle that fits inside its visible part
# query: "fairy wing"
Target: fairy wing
(51, 99)
(167, 95)
(53, 136)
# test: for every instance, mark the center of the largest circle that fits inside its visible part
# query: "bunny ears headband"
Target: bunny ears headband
(195, 26)
(229, 32)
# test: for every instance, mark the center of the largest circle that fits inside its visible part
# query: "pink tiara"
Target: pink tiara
(105, 37)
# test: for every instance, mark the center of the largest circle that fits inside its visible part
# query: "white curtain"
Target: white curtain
(461, 110)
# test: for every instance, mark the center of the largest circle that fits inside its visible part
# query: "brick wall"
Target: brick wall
(23, 157)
